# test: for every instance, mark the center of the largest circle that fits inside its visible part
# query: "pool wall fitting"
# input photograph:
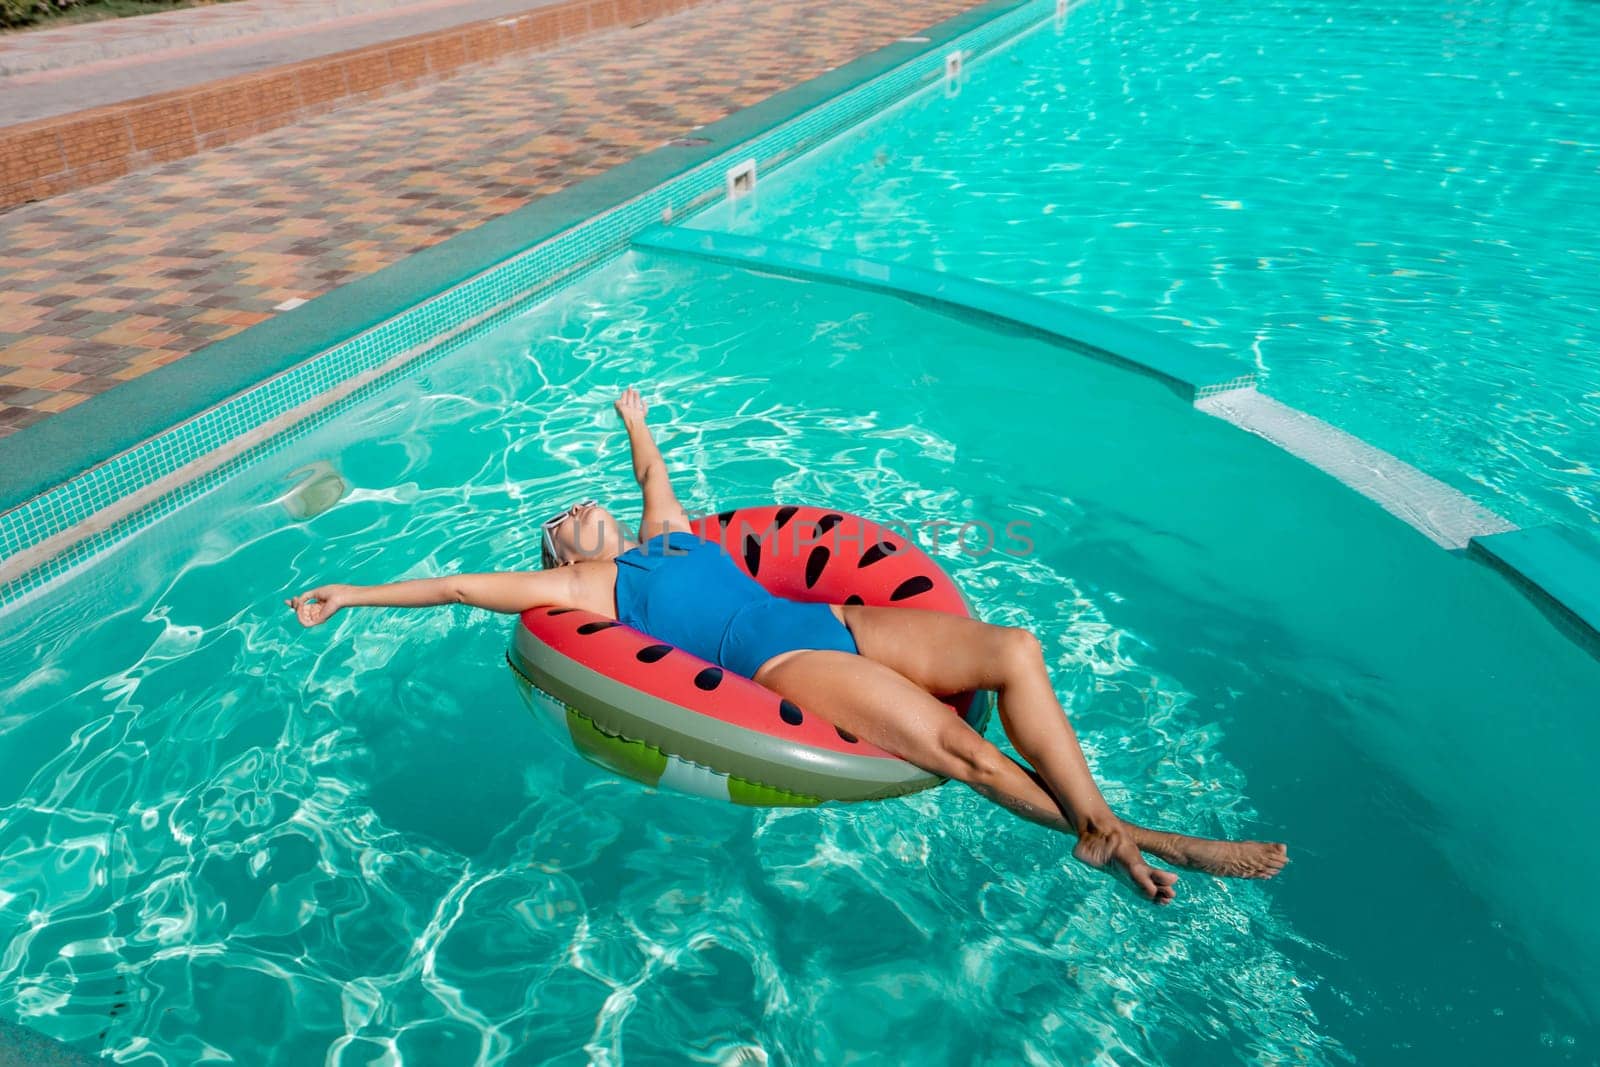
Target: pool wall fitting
(741, 180)
(69, 486)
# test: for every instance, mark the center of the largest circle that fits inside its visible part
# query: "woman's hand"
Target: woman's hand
(1109, 845)
(631, 406)
(320, 604)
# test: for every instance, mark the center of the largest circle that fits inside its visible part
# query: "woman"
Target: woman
(868, 670)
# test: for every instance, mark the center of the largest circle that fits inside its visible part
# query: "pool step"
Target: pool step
(1443, 514)
(1190, 371)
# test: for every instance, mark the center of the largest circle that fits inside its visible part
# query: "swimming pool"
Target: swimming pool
(1388, 207)
(359, 832)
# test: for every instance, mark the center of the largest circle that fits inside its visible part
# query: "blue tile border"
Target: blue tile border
(1558, 568)
(1190, 371)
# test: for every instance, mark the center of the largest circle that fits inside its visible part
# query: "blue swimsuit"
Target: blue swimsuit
(686, 592)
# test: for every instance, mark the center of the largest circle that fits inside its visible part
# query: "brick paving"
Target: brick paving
(102, 285)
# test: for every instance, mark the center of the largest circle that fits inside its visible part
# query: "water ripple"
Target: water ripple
(359, 833)
(1396, 225)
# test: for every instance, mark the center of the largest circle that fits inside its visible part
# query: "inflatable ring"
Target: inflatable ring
(656, 714)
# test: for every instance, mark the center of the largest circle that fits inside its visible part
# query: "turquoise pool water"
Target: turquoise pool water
(227, 837)
(1391, 208)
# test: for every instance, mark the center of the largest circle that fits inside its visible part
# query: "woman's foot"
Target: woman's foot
(1112, 848)
(1225, 859)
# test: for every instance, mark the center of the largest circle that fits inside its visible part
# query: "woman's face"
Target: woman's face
(588, 532)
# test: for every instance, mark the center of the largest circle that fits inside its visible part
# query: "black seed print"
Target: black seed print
(847, 735)
(559, 611)
(708, 679)
(790, 713)
(815, 563)
(595, 627)
(752, 553)
(651, 653)
(853, 599)
(912, 587)
(828, 522)
(785, 514)
(875, 553)
(725, 517)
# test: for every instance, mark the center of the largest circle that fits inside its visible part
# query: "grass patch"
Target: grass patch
(43, 14)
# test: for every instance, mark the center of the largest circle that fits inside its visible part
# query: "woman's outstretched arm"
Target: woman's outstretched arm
(511, 592)
(662, 512)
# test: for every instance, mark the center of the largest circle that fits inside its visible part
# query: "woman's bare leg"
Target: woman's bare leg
(948, 654)
(884, 708)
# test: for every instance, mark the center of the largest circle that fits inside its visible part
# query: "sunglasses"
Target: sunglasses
(552, 525)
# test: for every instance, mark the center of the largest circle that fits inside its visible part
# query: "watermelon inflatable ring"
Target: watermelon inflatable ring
(656, 714)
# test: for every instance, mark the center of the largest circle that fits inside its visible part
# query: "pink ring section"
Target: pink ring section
(803, 553)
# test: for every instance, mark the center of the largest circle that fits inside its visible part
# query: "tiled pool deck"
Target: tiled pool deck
(102, 285)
